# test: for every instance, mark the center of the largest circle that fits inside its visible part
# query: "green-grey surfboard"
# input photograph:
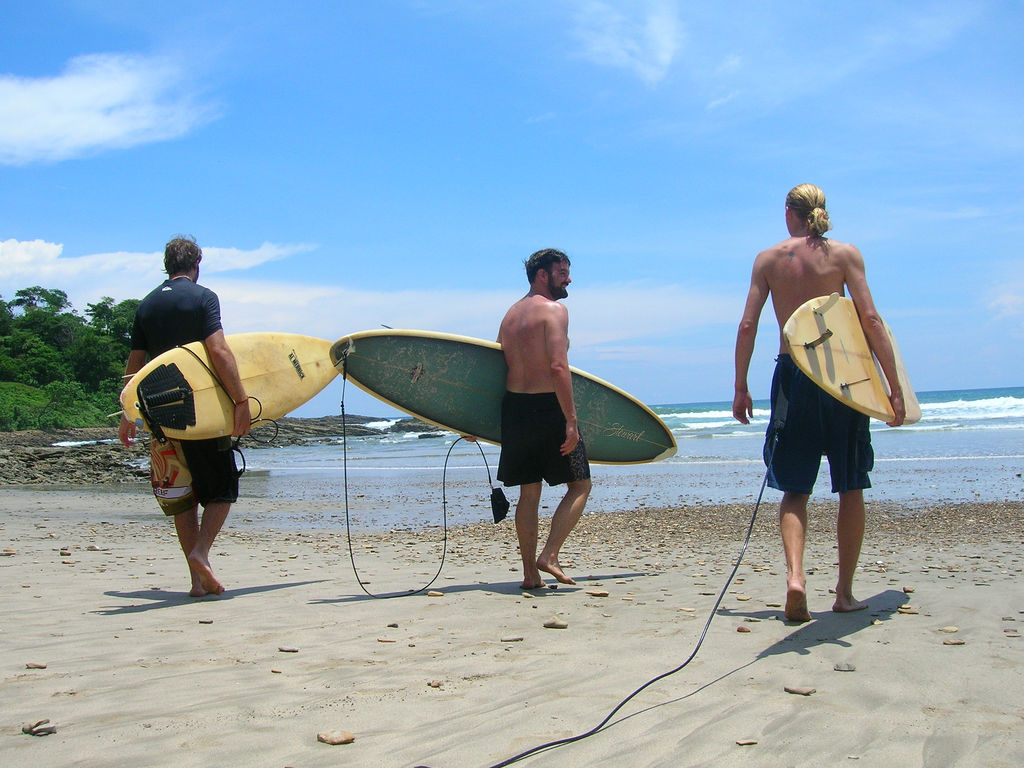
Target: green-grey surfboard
(457, 383)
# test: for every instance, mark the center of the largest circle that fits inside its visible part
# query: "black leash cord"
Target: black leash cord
(707, 625)
(444, 505)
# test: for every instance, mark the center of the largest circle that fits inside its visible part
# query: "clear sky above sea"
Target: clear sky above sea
(358, 164)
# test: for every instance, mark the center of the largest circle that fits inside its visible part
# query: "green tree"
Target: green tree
(60, 368)
(52, 299)
(37, 363)
(6, 316)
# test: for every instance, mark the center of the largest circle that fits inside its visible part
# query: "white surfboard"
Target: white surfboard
(827, 343)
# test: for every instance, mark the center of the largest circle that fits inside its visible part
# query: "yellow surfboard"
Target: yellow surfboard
(827, 343)
(179, 392)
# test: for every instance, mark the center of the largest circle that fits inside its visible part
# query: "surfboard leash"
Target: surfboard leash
(777, 422)
(348, 521)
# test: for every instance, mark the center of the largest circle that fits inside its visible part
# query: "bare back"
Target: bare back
(534, 337)
(801, 268)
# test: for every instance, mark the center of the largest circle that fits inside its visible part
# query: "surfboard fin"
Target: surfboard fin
(830, 302)
(825, 336)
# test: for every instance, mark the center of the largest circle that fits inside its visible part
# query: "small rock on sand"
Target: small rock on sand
(335, 737)
(556, 623)
(35, 665)
(435, 593)
(799, 690)
(597, 592)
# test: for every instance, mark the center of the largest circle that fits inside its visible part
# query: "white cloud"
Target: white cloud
(1007, 300)
(120, 274)
(228, 259)
(99, 101)
(642, 38)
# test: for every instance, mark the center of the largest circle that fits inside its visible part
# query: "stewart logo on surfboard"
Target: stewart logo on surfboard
(296, 364)
(617, 430)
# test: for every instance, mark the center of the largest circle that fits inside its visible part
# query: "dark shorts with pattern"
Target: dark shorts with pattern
(532, 431)
(816, 424)
(186, 472)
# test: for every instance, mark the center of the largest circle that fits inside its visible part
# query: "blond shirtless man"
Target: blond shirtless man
(800, 268)
(540, 438)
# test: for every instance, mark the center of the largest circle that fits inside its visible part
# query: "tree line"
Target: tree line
(60, 368)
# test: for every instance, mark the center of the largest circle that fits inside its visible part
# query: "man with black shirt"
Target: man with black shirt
(189, 473)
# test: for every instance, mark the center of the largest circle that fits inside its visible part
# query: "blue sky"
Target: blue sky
(348, 165)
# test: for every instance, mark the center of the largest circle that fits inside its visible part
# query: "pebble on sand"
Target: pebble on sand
(335, 737)
(746, 742)
(799, 690)
(35, 665)
(597, 592)
(435, 593)
(39, 728)
(949, 630)
(844, 666)
(556, 623)
(288, 649)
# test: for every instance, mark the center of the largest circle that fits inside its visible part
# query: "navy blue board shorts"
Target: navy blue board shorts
(816, 425)
(532, 431)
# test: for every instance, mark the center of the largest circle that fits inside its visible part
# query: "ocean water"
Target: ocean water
(968, 446)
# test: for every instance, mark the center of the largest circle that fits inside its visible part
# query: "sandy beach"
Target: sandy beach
(98, 636)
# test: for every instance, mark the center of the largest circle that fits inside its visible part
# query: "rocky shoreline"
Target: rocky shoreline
(93, 455)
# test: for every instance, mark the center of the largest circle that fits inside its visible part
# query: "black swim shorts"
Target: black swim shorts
(816, 424)
(532, 431)
(214, 473)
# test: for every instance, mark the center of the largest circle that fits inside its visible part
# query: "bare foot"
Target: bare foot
(527, 585)
(796, 605)
(555, 570)
(201, 569)
(197, 588)
(848, 605)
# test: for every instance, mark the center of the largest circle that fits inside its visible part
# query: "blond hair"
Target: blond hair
(808, 202)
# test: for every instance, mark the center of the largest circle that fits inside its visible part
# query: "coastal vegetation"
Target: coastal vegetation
(61, 368)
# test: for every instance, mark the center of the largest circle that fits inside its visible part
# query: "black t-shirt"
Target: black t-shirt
(177, 312)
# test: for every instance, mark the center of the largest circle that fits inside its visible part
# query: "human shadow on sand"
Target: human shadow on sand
(551, 589)
(827, 627)
(162, 598)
